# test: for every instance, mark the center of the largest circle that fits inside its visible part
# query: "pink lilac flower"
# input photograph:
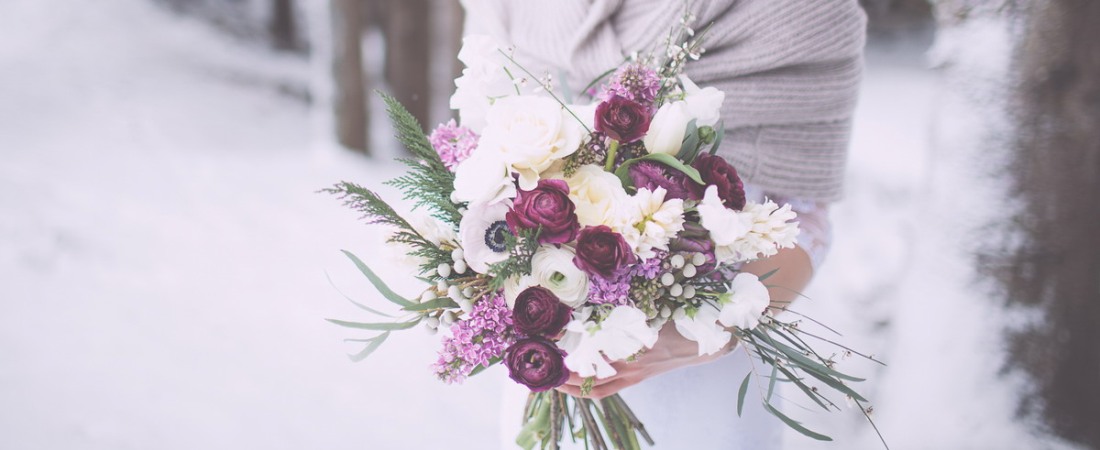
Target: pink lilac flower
(635, 82)
(453, 143)
(482, 336)
(614, 290)
(650, 268)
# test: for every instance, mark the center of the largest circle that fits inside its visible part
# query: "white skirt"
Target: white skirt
(693, 407)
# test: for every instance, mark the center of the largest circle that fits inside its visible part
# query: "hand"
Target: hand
(671, 352)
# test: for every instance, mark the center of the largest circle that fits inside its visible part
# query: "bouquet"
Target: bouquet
(563, 235)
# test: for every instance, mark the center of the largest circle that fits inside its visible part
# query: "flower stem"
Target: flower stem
(611, 151)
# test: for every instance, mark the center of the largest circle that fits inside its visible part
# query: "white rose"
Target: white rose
(599, 197)
(483, 80)
(666, 130)
(484, 177)
(705, 105)
(553, 269)
(530, 133)
(702, 328)
(745, 302)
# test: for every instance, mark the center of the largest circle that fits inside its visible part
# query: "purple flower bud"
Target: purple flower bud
(536, 363)
(538, 312)
(547, 206)
(622, 119)
(603, 252)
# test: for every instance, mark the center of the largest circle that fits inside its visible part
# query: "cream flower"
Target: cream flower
(481, 234)
(484, 177)
(704, 105)
(653, 222)
(770, 229)
(530, 133)
(589, 346)
(552, 268)
(599, 196)
(703, 328)
(725, 225)
(483, 80)
(666, 130)
(745, 302)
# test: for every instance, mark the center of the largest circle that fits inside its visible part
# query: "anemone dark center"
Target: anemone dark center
(495, 236)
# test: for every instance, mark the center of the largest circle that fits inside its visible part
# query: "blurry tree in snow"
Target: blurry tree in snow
(408, 32)
(283, 25)
(1048, 257)
(349, 84)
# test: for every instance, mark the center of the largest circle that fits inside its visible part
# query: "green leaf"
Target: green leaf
(719, 134)
(741, 393)
(769, 274)
(771, 383)
(376, 326)
(805, 389)
(360, 305)
(438, 303)
(373, 345)
(623, 172)
(795, 425)
(690, 145)
(378, 283)
(480, 368)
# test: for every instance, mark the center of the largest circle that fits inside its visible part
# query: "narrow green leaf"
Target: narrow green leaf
(805, 389)
(479, 369)
(768, 275)
(438, 303)
(360, 305)
(377, 282)
(720, 132)
(771, 382)
(382, 326)
(741, 393)
(373, 344)
(795, 425)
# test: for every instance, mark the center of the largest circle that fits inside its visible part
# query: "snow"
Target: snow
(164, 258)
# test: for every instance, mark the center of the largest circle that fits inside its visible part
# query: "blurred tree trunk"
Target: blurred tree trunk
(408, 28)
(349, 100)
(1057, 171)
(284, 33)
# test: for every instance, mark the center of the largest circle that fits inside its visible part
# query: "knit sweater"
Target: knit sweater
(790, 70)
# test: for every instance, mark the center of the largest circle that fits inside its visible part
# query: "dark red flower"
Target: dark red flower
(536, 363)
(652, 175)
(714, 170)
(547, 206)
(538, 312)
(603, 252)
(622, 119)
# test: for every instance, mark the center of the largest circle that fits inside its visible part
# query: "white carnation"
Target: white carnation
(552, 268)
(653, 222)
(703, 328)
(590, 346)
(745, 302)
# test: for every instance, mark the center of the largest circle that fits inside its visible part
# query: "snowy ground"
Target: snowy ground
(163, 259)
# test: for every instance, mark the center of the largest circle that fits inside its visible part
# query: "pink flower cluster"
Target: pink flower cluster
(484, 335)
(453, 143)
(635, 82)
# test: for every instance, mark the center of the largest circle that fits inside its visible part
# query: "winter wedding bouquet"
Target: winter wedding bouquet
(562, 237)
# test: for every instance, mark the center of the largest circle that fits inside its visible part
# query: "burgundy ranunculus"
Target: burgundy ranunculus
(548, 206)
(716, 171)
(603, 252)
(536, 363)
(622, 119)
(695, 239)
(538, 312)
(652, 175)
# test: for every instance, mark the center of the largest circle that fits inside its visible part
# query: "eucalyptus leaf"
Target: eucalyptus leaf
(795, 425)
(741, 393)
(438, 303)
(385, 326)
(373, 345)
(377, 282)
(357, 304)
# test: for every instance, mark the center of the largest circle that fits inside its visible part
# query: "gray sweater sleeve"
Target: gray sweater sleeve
(790, 70)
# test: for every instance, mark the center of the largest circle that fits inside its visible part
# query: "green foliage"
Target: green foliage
(520, 249)
(428, 182)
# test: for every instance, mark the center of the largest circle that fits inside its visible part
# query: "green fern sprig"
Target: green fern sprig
(428, 182)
